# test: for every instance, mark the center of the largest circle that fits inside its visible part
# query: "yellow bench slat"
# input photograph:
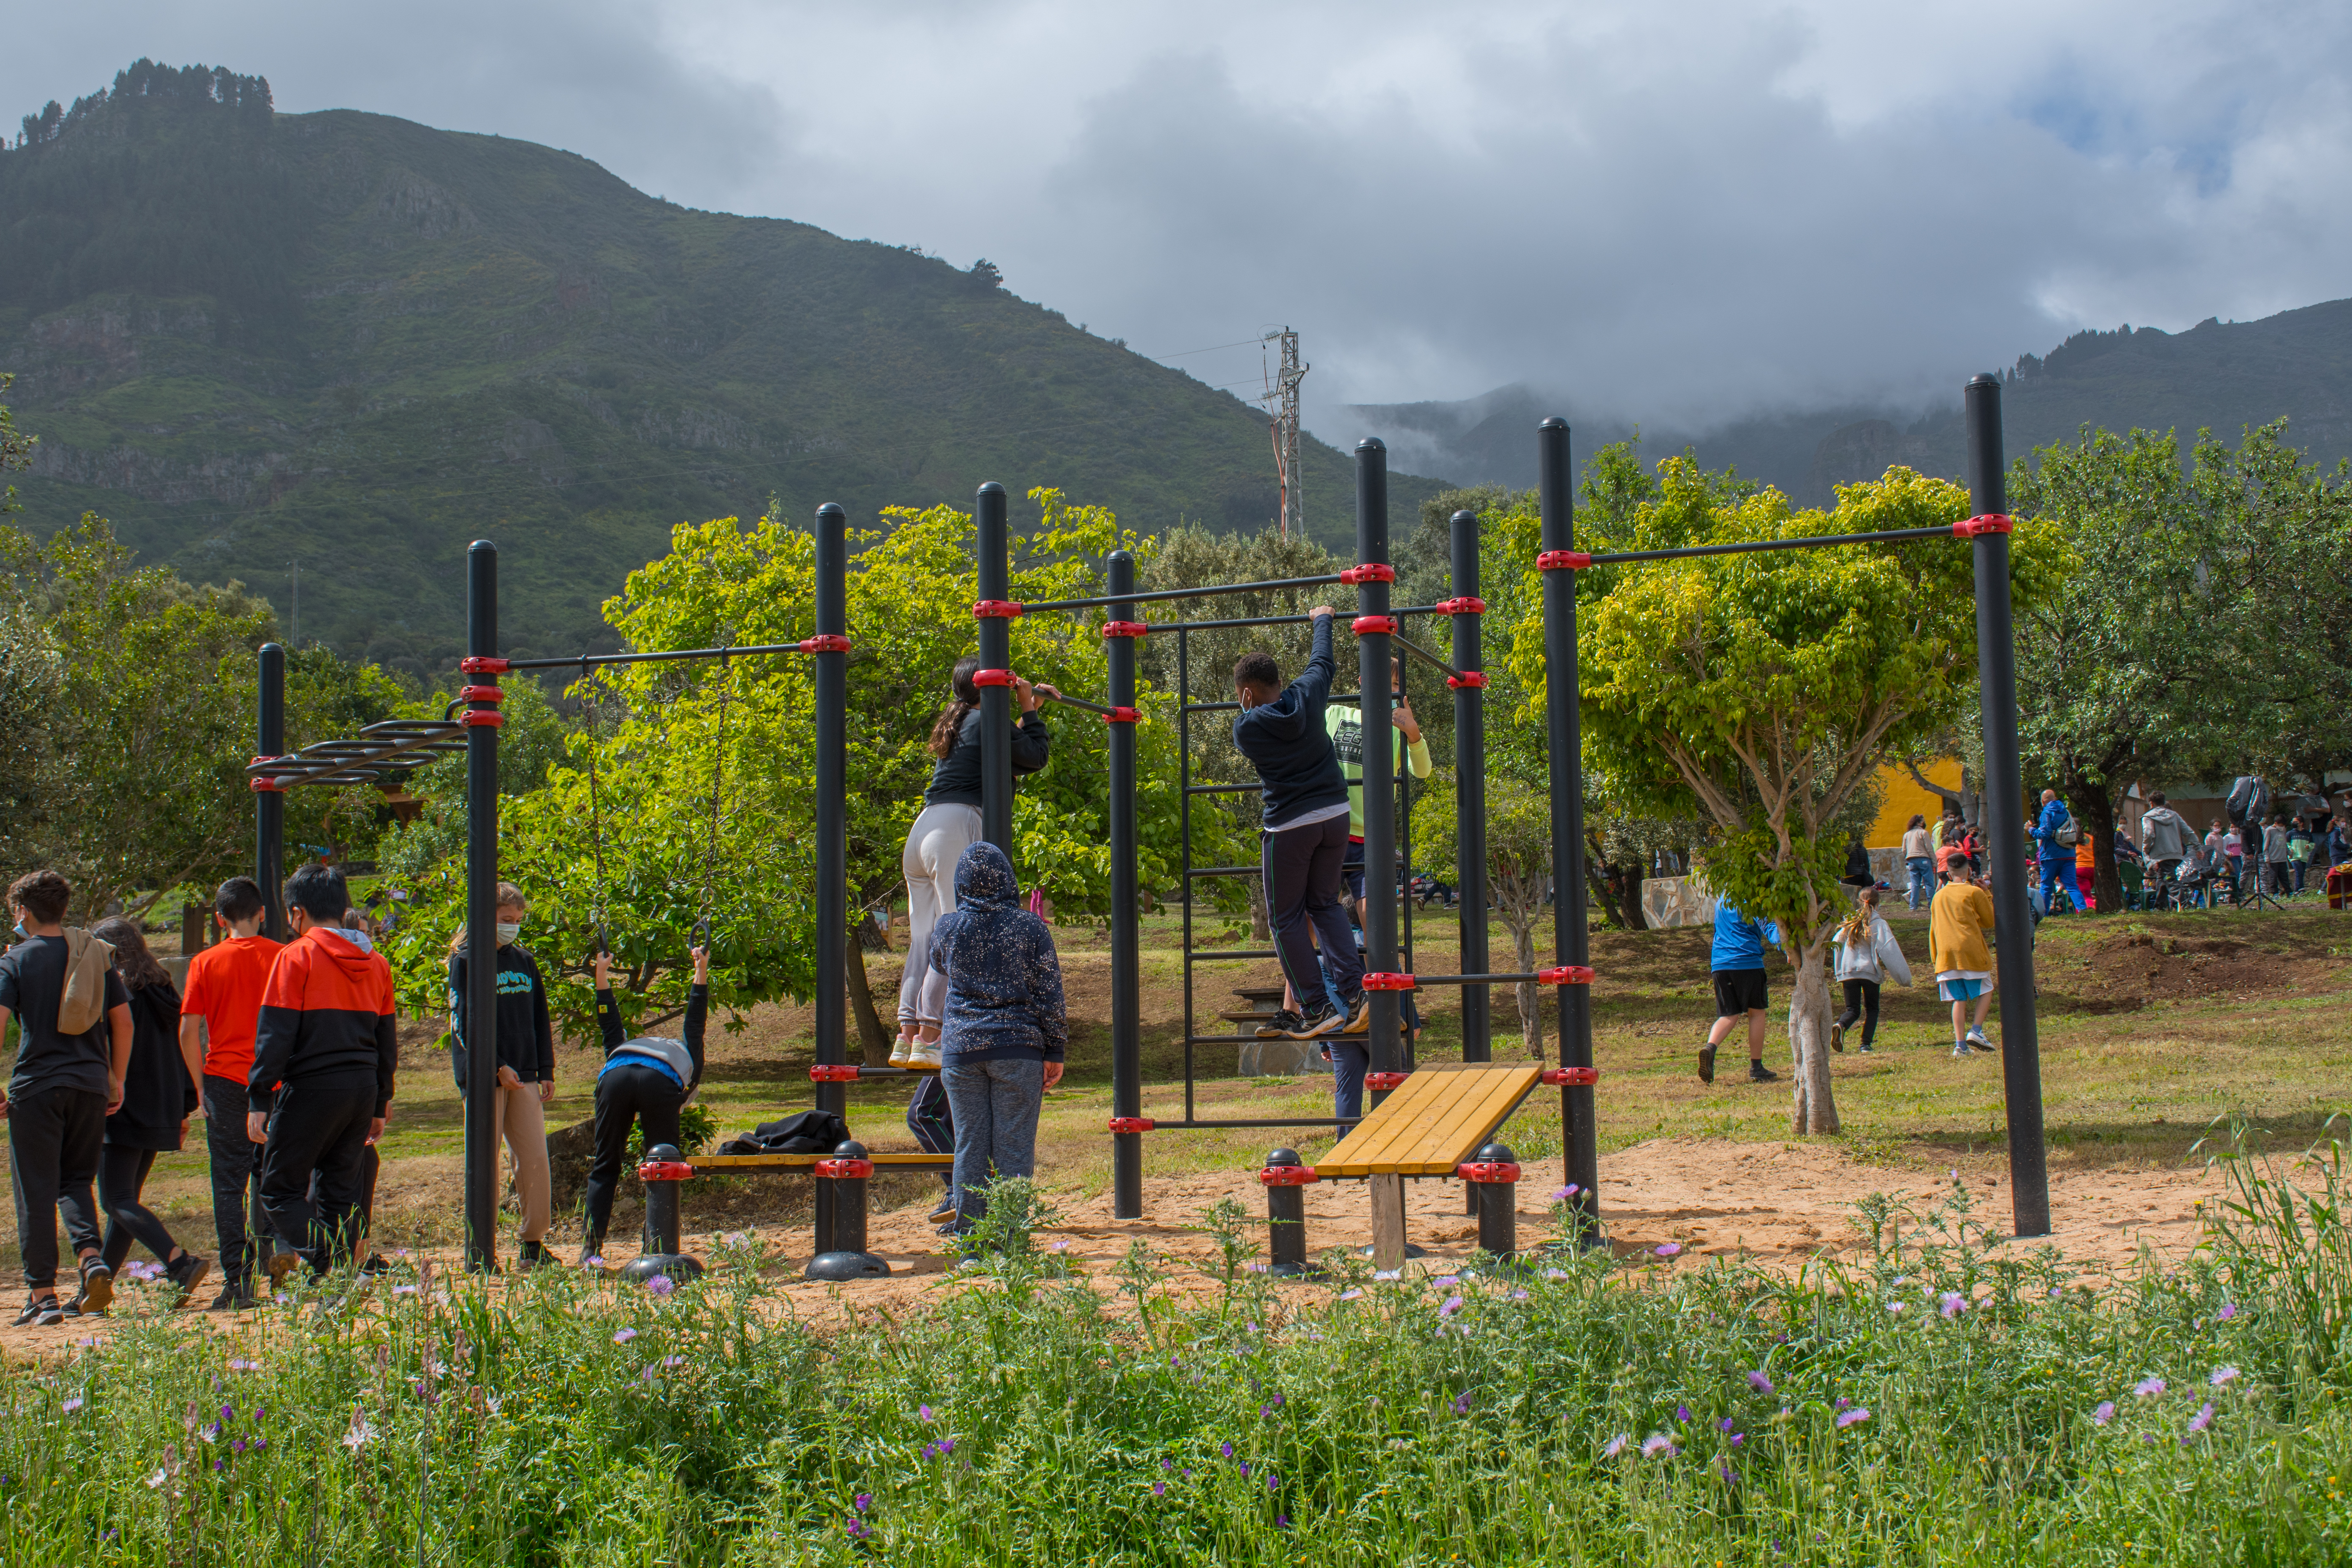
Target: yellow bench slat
(1435, 1121)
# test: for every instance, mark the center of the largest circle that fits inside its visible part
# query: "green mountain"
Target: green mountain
(2216, 375)
(356, 344)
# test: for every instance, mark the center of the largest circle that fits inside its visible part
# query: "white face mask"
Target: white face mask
(508, 931)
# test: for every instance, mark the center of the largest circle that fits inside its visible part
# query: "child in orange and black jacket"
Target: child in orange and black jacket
(324, 1061)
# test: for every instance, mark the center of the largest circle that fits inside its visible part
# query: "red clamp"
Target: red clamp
(481, 694)
(1381, 1082)
(1372, 572)
(1469, 679)
(1124, 716)
(1566, 975)
(834, 1072)
(482, 664)
(266, 784)
(1288, 1176)
(1365, 625)
(1583, 1078)
(1466, 606)
(995, 609)
(1487, 1171)
(482, 719)
(1989, 522)
(1132, 1124)
(1124, 629)
(991, 678)
(1387, 980)
(844, 1170)
(1562, 561)
(825, 642)
(665, 1170)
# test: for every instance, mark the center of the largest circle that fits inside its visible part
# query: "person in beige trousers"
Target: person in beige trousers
(524, 1039)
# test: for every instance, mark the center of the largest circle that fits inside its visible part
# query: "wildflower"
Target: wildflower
(1061, 1245)
(2203, 1418)
(2149, 1387)
(1844, 1402)
(87, 1340)
(1723, 1425)
(2229, 1310)
(624, 1336)
(592, 1262)
(1954, 1304)
(1388, 1273)
(404, 1290)
(862, 1501)
(157, 1478)
(1282, 1521)
(1758, 1382)
(673, 1360)
(1738, 1438)
(2223, 1376)
(1668, 1250)
(1682, 1412)
(1244, 1469)
(1895, 1309)
(1555, 1273)
(1226, 1449)
(660, 1285)
(1453, 1305)
(1657, 1444)
(1166, 1464)
(1160, 1488)
(1853, 1417)
(1462, 1402)
(71, 1405)
(1349, 1295)
(1518, 1295)
(360, 1434)
(242, 1365)
(1278, 1402)
(1446, 1282)
(1247, 1268)
(1561, 1194)
(858, 1529)
(2104, 1414)
(1614, 1446)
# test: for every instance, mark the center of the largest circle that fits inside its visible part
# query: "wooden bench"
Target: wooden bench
(1431, 1125)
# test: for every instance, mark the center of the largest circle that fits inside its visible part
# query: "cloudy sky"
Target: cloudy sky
(1678, 213)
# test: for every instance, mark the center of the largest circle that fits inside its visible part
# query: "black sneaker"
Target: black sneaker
(187, 1274)
(1706, 1064)
(1321, 1022)
(1280, 1025)
(1758, 1073)
(1865, 1050)
(96, 1290)
(1359, 1016)
(41, 1311)
(235, 1297)
(533, 1255)
(1837, 1036)
(944, 1213)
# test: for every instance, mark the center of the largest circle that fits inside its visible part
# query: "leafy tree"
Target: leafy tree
(16, 450)
(1760, 691)
(1518, 876)
(2204, 632)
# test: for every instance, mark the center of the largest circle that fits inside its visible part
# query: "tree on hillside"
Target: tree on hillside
(1762, 691)
(16, 450)
(2203, 632)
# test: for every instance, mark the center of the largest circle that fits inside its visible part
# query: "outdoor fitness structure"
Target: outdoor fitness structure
(1482, 1094)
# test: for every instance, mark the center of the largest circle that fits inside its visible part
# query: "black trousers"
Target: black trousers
(242, 1229)
(55, 1138)
(1301, 866)
(121, 1177)
(318, 1131)
(1861, 1002)
(642, 1096)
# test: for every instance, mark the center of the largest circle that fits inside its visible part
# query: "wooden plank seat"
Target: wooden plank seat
(1431, 1125)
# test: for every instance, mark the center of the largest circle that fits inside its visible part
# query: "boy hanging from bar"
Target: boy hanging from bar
(1304, 839)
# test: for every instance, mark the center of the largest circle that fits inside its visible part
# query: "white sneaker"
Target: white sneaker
(900, 1049)
(923, 1054)
(1959, 1052)
(1977, 1038)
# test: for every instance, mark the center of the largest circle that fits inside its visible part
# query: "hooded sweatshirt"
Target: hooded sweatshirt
(1877, 958)
(955, 778)
(2164, 834)
(1005, 980)
(526, 1036)
(326, 1013)
(1286, 741)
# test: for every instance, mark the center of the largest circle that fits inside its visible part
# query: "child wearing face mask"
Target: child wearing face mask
(523, 1035)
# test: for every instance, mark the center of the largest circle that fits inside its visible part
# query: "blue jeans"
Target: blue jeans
(1923, 881)
(2060, 874)
(996, 1104)
(1351, 1059)
(929, 1118)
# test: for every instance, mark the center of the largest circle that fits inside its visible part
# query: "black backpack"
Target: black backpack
(804, 1132)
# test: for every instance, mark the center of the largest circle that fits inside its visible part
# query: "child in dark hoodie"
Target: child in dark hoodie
(1002, 1044)
(1280, 730)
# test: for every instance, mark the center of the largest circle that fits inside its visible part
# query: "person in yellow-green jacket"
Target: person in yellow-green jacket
(1346, 727)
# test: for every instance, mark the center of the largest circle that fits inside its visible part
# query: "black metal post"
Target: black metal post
(482, 916)
(995, 653)
(1564, 738)
(270, 806)
(832, 802)
(2021, 1046)
(1126, 934)
(1286, 1217)
(840, 1203)
(1372, 656)
(1470, 797)
(1494, 1199)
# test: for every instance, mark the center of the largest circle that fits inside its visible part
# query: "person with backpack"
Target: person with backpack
(644, 1083)
(159, 1094)
(2056, 836)
(219, 1012)
(73, 1049)
(326, 1061)
(2249, 800)
(522, 1038)
(1867, 956)
(1007, 1029)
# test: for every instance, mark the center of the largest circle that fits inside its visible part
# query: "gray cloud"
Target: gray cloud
(1666, 216)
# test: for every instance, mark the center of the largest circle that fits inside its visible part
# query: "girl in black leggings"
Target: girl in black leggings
(159, 1093)
(645, 1081)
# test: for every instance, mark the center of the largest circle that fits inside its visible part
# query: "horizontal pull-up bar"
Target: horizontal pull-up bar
(1234, 707)
(1421, 653)
(821, 643)
(1968, 529)
(1283, 620)
(1162, 593)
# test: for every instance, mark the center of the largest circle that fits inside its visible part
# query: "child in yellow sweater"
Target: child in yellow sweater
(1956, 923)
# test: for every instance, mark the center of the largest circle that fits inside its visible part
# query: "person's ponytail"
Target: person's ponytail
(967, 697)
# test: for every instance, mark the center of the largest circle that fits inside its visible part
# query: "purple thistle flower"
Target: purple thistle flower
(1561, 1194)
(1954, 1304)
(624, 1336)
(1349, 1295)
(1853, 1417)
(1656, 1444)
(1844, 1402)
(1555, 1273)
(1244, 1469)
(660, 1285)
(1758, 1382)
(1282, 1521)
(1668, 1250)
(1446, 1282)
(1738, 1438)
(1614, 1446)
(1166, 1464)
(1160, 1488)
(2149, 1387)
(2203, 1418)
(1682, 1412)
(1723, 1425)
(70, 1406)
(1462, 1402)
(2222, 1377)
(1453, 1305)
(2229, 1310)
(2104, 1414)
(1518, 1295)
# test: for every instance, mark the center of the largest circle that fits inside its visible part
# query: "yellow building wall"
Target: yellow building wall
(1903, 799)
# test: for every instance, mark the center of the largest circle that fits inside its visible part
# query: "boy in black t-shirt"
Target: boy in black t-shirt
(60, 1090)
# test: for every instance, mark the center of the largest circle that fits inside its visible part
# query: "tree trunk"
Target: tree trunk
(871, 1035)
(1597, 879)
(1531, 1029)
(1809, 1043)
(1261, 928)
(2094, 808)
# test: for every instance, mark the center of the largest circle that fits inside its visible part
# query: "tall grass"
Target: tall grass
(1938, 1402)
